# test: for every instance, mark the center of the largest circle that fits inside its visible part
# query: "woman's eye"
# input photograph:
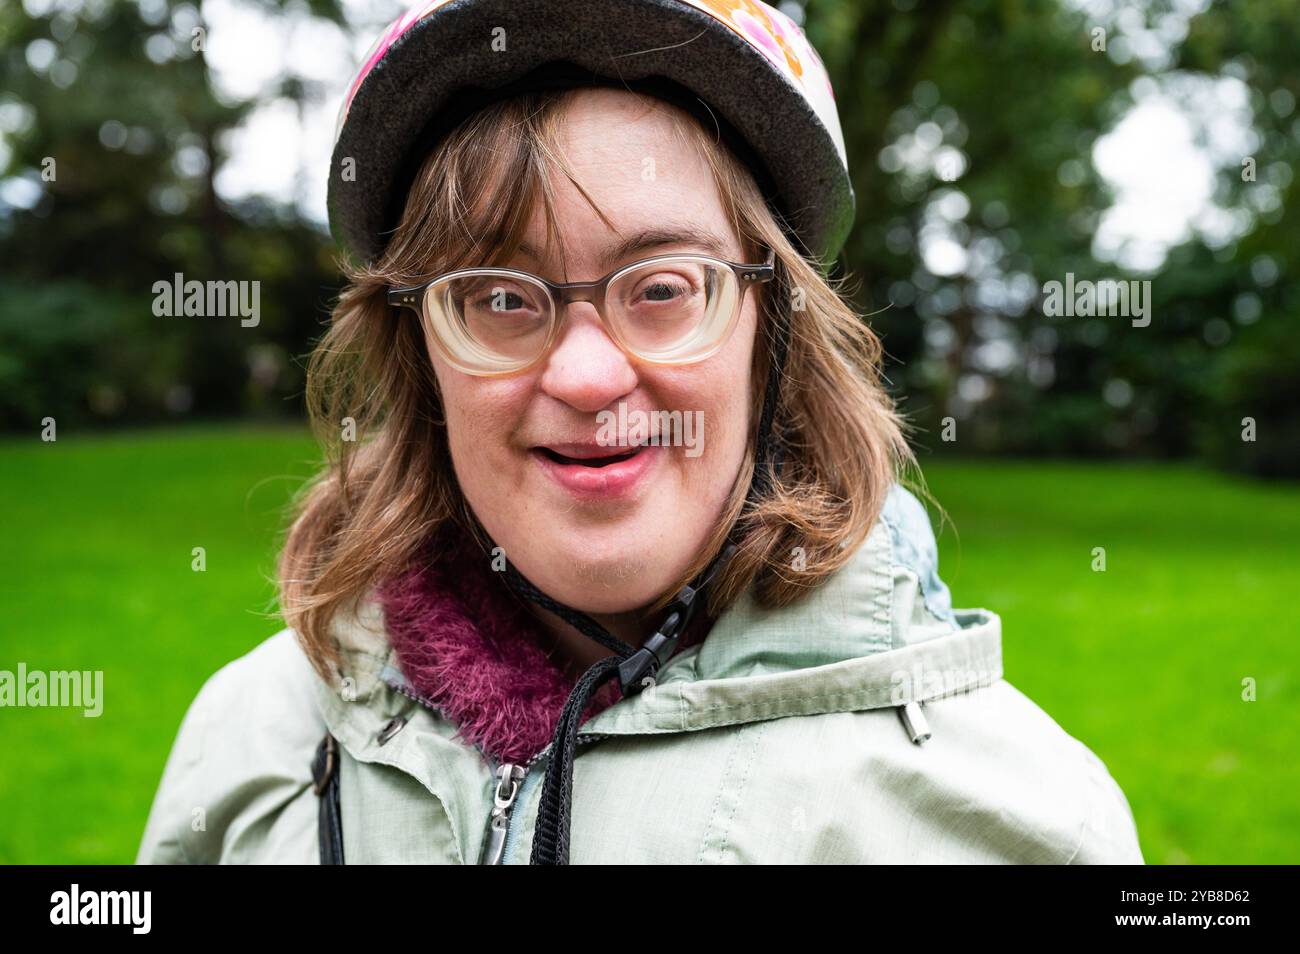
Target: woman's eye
(501, 301)
(661, 290)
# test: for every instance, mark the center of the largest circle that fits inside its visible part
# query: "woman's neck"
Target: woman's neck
(576, 652)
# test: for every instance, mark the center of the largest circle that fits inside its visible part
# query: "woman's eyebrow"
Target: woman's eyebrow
(647, 239)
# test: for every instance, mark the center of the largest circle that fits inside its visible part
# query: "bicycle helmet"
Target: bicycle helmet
(741, 62)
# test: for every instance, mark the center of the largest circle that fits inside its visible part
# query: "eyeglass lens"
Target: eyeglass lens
(667, 309)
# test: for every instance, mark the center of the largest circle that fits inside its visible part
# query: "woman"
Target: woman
(610, 562)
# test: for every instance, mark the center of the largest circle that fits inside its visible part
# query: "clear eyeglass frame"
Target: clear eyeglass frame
(459, 348)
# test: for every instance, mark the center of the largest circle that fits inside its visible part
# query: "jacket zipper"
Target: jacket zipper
(494, 853)
(509, 777)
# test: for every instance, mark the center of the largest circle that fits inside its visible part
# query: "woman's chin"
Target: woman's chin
(603, 584)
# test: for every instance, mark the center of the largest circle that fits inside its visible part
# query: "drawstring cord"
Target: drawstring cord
(636, 668)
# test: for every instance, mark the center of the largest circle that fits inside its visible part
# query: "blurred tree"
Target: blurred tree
(115, 137)
(972, 127)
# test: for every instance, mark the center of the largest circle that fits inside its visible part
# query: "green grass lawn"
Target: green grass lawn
(97, 575)
(1143, 662)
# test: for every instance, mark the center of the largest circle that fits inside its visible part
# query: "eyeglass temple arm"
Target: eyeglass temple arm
(759, 273)
(406, 296)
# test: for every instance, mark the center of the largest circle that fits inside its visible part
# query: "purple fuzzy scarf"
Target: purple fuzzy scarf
(469, 646)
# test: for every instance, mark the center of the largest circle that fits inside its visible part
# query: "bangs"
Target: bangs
(494, 189)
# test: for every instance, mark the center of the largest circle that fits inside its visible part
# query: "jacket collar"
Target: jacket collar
(472, 650)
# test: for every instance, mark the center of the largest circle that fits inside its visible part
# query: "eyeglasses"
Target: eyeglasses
(670, 309)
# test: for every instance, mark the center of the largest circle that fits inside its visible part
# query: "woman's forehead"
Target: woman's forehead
(609, 251)
(610, 228)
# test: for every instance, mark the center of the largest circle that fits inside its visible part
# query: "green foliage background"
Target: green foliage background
(1015, 87)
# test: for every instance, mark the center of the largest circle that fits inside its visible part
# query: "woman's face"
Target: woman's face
(607, 538)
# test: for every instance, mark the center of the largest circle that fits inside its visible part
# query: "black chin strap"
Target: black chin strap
(637, 669)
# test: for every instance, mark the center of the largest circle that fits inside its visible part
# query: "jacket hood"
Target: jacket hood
(879, 632)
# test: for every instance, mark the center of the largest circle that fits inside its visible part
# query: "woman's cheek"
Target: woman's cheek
(727, 447)
(481, 426)
(707, 468)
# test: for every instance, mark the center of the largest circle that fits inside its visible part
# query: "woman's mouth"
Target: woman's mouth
(591, 471)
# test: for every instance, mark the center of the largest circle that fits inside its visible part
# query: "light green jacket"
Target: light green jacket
(783, 737)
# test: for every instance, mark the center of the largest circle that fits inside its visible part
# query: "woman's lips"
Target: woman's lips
(615, 479)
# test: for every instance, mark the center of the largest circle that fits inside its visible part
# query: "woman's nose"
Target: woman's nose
(586, 369)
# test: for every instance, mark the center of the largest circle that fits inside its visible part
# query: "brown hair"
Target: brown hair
(379, 499)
